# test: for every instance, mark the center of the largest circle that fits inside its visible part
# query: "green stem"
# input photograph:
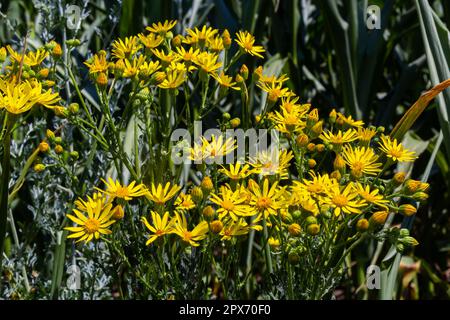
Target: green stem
(4, 184)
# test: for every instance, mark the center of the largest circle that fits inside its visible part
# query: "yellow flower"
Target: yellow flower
(212, 150)
(290, 119)
(365, 135)
(19, 98)
(268, 199)
(98, 64)
(199, 37)
(246, 41)
(361, 160)
(191, 237)
(92, 223)
(339, 138)
(162, 28)
(225, 81)
(272, 162)
(116, 190)
(31, 59)
(274, 90)
(161, 226)
(395, 150)
(236, 171)
(234, 229)
(184, 202)
(216, 44)
(151, 40)
(125, 49)
(371, 196)
(316, 186)
(132, 68)
(160, 195)
(188, 56)
(231, 203)
(344, 200)
(173, 80)
(148, 68)
(166, 58)
(207, 62)
(349, 121)
(91, 201)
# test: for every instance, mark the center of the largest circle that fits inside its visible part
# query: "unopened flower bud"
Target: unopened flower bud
(59, 149)
(362, 225)
(313, 229)
(378, 218)
(216, 226)
(43, 147)
(294, 229)
(409, 241)
(208, 212)
(398, 178)
(244, 71)
(39, 167)
(407, 210)
(332, 116)
(293, 258)
(310, 220)
(102, 80)
(74, 108)
(207, 185)
(73, 42)
(118, 212)
(302, 140)
(235, 122)
(197, 194)
(312, 163)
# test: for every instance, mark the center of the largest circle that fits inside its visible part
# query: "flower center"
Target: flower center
(159, 232)
(357, 169)
(395, 153)
(314, 188)
(91, 225)
(228, 205)
(187, 235)
(340, 200)
(263, 203)
(122, 192)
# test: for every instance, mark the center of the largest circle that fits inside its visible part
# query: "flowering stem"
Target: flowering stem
(267, 246)
(4, 184)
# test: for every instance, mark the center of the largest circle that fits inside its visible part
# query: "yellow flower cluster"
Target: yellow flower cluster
(335, 172)
(25, 82)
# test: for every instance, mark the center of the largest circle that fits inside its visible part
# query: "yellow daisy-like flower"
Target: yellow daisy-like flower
(98, 64)
(125, 49)
(365, 135)
(173, 80)
(225, 81)
(116, 190)
(160, 226)
(188, 56)
(184, 202)
(371, 196)
(148, 68)
(91, 201)
(150, 41)
(92, 223)
(348, 121)
(268, 199)
(344, 200)
(234, 229)
(289, 121)
(192, 237)
(207, 62)
(272, 162)
(199, 37)
(237, 171)
(162, 28)
(231, 203)
(166, 58)
(160, 195)
(132, 68)
(274, 90)
(216, 44)
(31, 59)
(395, 150)
(19, 98)
(339, 138)
(317, 185)
(361, 160)
(213, 150)
(247, 42)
